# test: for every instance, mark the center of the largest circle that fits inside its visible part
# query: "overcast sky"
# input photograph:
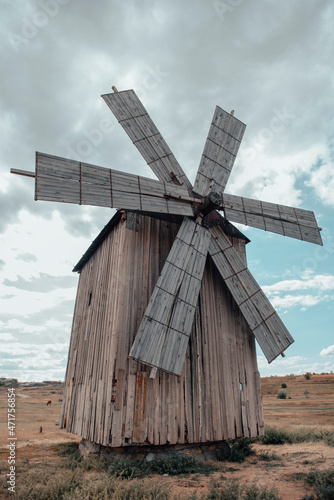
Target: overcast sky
(270, 61)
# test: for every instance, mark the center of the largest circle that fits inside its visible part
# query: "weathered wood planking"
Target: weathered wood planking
(288, 221)
(164, 332)
(219, 153)
(268, 328)
(69, 181)
(136, 122)
(205, 402)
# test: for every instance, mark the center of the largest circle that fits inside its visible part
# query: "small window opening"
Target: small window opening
(89, 298)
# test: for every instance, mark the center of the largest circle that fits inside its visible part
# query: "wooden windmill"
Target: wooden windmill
(162, 347)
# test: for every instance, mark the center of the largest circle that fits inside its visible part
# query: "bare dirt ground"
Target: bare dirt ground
(311, 405)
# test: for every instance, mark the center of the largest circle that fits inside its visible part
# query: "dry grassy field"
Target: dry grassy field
(297, 469)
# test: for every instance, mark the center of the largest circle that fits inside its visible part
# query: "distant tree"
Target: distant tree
(308, 375)
(283, 385)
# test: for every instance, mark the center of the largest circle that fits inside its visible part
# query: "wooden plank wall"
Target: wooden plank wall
(218, 394)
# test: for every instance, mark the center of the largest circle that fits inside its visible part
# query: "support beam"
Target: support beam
(25, 173)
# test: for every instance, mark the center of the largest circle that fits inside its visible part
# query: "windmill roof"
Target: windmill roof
(211, 220)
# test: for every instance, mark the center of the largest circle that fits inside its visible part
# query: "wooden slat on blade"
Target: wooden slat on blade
(219, 153)
(163, 335)
(263, 320)
(69, 181)
(137, 123)
(288, 221)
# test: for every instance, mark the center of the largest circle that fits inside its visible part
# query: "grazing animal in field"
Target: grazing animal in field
(49, 403)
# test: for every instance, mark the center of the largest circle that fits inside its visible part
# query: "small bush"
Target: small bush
(283, 385)
(126, 469)
(282, 394)
(308, 375)
(178, 464)
(323, 484)
(272, 435)
(174, 465)
(71, 452)
(237, 450)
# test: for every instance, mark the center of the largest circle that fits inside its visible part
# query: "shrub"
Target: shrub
(71, 452)
(237, 450)
(179, 464)
(272, 435)
(322, 482)
(282, 394)
(283, 385)
(308, 375)
(174, 465)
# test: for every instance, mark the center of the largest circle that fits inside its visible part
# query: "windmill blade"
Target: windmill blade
(164, 332)
(135, 120)
(288, 221)
(263, 320)
(69, 181)
(219, 153)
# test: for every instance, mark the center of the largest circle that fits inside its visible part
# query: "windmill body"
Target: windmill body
(167, 313)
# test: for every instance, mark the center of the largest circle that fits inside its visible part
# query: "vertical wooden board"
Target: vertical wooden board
(119, 389)
(139, 423)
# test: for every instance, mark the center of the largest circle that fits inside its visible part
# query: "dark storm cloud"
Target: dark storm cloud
(43, 283)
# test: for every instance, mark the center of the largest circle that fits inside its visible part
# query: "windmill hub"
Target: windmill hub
(212, 201)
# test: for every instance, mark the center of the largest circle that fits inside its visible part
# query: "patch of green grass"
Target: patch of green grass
(105, 489)
(232, 490)
(268, 457)
(274, 435)
(48, 486)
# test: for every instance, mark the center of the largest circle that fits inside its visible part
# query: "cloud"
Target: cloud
(297, 365)
(43, 283)
(321, 179)
(27, 257)
(304, 301)
(319, 282)
(2, 263)
(328, 351)
(33, 361)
